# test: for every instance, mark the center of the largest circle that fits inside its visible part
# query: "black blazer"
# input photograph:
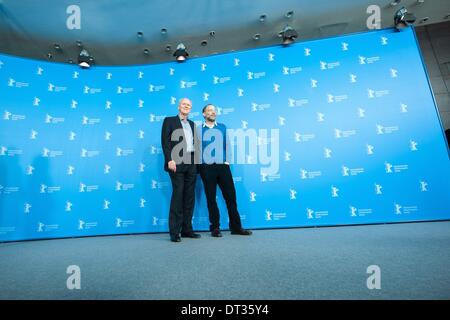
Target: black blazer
(171, 124)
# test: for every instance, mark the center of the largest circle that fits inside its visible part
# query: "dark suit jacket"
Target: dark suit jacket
(171, 124)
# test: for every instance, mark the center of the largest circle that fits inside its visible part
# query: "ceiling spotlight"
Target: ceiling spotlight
(146, 51)
(394, 3)
(289, 14)
(257, 36)
(79, 44)
(140, 34)
(420, 1)
(262, 18)
(204, 43)
(403, 18)
(212, 33)
(181, 54)
(84, 59)
(70, 61)
(49, 56)
(57, 47)
(447, 16)
(168, 48)
(163, 31)
(289, 35)
(424, 20)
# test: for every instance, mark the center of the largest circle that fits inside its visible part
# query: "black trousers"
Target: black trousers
(183, 199)
(220, 174)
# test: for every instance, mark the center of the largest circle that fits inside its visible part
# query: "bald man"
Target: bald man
(181, 154)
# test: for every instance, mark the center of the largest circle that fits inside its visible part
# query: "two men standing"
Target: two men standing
(183, 150)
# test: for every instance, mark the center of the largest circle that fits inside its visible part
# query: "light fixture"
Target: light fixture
(181, 54)
(57, 47)
(394, 3)
(204, 43)
(423, 20)
(262, 18)
(79, 44)
(289, 35)
(212, 33)
(256, 36)
(447, 16)
(403, 18)
(84, 59)
(146, 51)
(140, 34)
(168, 48)
(49, 56)
(163, 31)
(289, 14)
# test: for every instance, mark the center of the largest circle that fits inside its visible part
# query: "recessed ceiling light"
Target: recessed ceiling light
(57, 47)
(163, 31)
(262, 18)
(140, 34)
(424, 19)
(146, 51)
(403, 18)
(289, 35)
(289, 14)
(49, 56)
(257, 36)
(212, 33)
(204, 43)
(181, 53)
(85, 60)
(168, 48)
(79, 44)
(395, 2)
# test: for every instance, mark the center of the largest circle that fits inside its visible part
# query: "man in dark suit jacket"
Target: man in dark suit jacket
(181, 154)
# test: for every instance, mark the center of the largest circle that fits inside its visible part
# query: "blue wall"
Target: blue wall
(360, 140)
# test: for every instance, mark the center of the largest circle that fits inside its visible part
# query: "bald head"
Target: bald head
(184, 107)
(185, 100)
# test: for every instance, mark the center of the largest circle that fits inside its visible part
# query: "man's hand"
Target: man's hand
(172, 165)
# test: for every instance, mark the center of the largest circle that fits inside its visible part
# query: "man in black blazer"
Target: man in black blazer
(181, 155)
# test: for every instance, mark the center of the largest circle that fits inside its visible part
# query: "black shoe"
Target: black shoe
(175, 238)
(191, 235)
(216, 233)
(242, 232)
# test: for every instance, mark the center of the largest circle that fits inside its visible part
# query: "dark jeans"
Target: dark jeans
(220, 174)
(183, 199)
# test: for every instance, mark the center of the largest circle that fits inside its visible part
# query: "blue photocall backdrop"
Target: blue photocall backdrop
(351, 121)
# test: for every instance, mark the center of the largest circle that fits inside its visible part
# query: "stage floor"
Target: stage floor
(301, 263)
